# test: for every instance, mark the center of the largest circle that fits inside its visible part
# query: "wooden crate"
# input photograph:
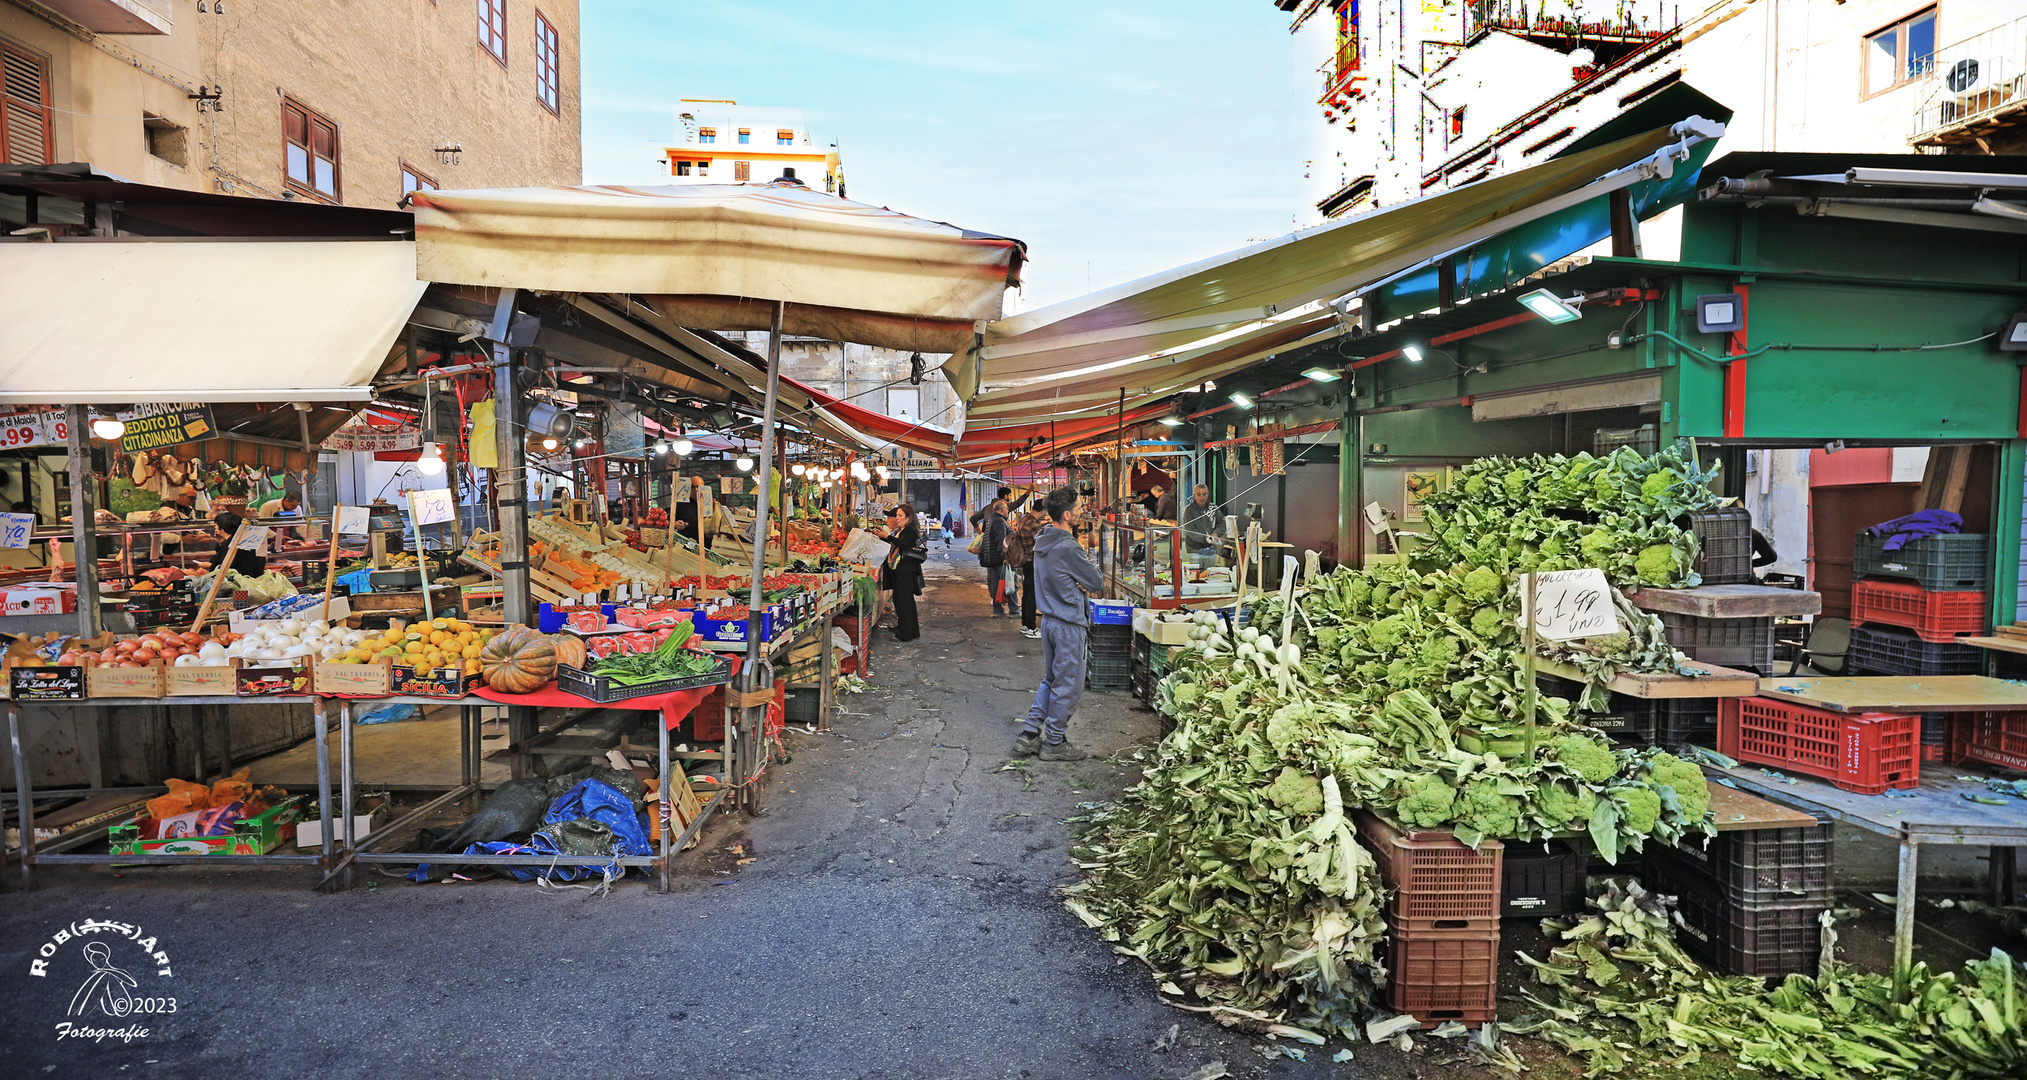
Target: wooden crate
(354, 680)
(200, 681)
(109, 681)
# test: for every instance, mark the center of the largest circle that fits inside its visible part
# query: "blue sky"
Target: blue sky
(1116, 137)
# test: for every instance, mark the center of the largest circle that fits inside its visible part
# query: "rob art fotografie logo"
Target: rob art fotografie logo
(112, 980)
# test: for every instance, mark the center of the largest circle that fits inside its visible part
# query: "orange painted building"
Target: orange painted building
(724, 142)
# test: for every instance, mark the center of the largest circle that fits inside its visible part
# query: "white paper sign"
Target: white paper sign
(1571, 604)
(432, 506)
(15, 529)
(255, 538)
(352, 520)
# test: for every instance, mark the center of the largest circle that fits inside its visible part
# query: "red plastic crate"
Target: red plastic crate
(1438, 883)
(1867, 753)
(1933, 615)
(1998, 738)
(707, 719)
(1441, 975)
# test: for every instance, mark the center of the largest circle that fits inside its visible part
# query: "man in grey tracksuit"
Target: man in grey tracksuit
(1062, 578)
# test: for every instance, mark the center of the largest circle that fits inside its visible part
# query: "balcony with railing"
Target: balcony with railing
(1974, 89)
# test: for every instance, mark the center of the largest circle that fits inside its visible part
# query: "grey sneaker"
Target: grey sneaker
(1027, 744)
(1061, 751)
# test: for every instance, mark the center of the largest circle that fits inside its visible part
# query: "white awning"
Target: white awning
(718, 256)
(113, 322)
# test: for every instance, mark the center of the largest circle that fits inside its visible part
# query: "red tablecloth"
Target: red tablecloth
(674, 706)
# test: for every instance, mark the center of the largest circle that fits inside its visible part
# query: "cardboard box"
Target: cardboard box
(200, 681)
(310, 830)
(445, 682)
(46, 683)
(249, 836)
(274, 678)
(1153, 626)
(354, 680)
(341, 609)
(39, 600)
(109, 681)
(732, 629)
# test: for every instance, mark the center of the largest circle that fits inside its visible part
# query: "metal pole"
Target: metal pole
(1903, 914)
(346, 778)
(511, 477)
(83, 516)
(1124, 483)
(321, 718)
(24, 793)
(763, 467)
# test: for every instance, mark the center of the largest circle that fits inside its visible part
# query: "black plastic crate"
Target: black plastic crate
(1755, 867)
(1539, 882)
(601, 689)
(1672, 723)
(1725, 535)
(1935, 729)
(1732, 643)
(1952, 561)
(1885, 651)
(1643, 439)
(1771, 941)
(1627, 724)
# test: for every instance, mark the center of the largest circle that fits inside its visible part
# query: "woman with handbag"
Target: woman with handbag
(903, 570)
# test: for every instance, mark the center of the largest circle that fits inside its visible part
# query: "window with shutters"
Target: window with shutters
(25, 137)
(493, 29)
(548, 66)
(784, 137)
(742, 171)
(309, 151)
(413, 181)
(745, 136)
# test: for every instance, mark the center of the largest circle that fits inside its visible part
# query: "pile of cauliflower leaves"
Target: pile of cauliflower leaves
(1231, 870)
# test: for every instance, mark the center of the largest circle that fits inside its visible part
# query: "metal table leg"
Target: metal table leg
(26, 794)
(826, 678)
(322, 721)
(2002, 875)
(345, 778)
(1903, 911)
(665, 812)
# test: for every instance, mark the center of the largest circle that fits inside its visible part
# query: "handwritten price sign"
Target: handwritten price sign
(1571, 604)
(15, 530)
(432, 506)
(352, 520)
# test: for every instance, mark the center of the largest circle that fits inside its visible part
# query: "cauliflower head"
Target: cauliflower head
(1640, 809)
(1297, 792)
(1566, 803)
(1657, 564)
(1692, 791)
(1426, 801)
(1486, 810)
(1587, 757)
(1482, 584)
(1488, 622)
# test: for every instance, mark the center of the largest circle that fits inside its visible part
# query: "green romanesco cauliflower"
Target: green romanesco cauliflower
(1483, 808)
(1482, 584)
(1640, 809)
(1475, 486)
(1357, 592)
(1656, 565)
(1488, 622)
(1566, 803)
(1381, 636)
(1285, 728)
(1439, 652)
(1654, 489)
(1426, 801)
(1456, 606)
(1296, 792)
(1587, 757)
(1597, 546)
(1517, 483)
(1692, 791)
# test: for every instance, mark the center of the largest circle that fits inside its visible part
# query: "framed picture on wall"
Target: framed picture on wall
(1418, 485)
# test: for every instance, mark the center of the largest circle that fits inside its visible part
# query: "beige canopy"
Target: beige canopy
(718, 256)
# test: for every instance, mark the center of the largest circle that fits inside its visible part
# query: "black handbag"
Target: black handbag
(917, 555)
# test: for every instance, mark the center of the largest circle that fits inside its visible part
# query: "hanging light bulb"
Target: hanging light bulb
(431, 461)
(798, 468)
(550, 444)
(662, 447)
(106, 427)
(744, 464)
(682, 446)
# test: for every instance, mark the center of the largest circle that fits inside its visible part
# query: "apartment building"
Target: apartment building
(1403, 99)
(724, 142)
(343, 101)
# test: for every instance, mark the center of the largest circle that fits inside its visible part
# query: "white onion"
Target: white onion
(187, 660)
(210, 649)
(216, 661)
(281, 641)
(320, 626)
(292, 627)
(265, 654)
(294, 651)
(354, 637)
(332, 651)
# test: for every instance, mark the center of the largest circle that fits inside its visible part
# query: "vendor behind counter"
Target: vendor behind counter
(250, 557)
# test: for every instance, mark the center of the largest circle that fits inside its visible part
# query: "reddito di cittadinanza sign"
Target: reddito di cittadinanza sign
(154, 426)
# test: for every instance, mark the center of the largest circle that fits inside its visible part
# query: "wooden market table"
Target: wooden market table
(1934, 813)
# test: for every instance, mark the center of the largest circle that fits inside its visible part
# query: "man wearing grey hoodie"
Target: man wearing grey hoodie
(1063, 577)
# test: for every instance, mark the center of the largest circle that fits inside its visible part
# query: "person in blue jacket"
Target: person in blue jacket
(1063, 579)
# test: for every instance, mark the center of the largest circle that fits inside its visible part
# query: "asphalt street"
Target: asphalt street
(891, 915)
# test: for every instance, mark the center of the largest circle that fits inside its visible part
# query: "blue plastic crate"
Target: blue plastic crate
(1112, 613)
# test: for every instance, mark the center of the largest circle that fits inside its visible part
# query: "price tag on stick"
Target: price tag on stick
(351, 520)
(431, 506)
(1569, 604)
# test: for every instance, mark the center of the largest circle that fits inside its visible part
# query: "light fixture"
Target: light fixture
(1172, 420)
(1413, 353)
(431, 461)
(662, 447)
(682, 446)
(798, 468)
(549, 443)
(1720, 313)
(2012, 338)
(1320, 374)
(1549, 307)
(106, 427)
(744, 464)
(882, 470)
(1241, 400)
(552, 420)
(860, 472)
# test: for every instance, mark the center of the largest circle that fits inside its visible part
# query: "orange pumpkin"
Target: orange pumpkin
(569, 650)
(518, 661)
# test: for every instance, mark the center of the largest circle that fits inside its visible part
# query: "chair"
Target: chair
(1827, 650)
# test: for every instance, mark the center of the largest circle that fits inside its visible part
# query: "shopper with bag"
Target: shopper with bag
(902, 573)
(1020, 555)
(991, 549)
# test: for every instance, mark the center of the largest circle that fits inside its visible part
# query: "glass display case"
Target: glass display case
(1144, 562)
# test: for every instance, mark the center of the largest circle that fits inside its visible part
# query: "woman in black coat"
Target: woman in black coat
(903, 571)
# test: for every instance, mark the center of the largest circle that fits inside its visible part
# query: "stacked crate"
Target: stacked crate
(1908, 607)
(1108, 665)
(1868, 753)
(1724, 537)
(1752, 901)
(1442, 920)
